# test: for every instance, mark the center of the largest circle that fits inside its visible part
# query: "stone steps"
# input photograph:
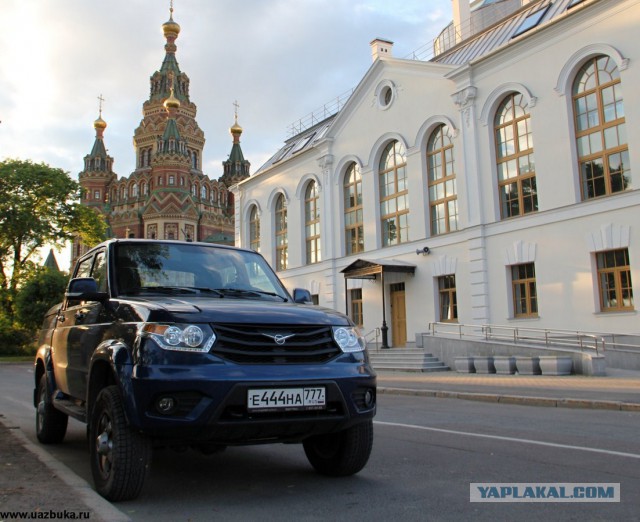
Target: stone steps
(406, 359)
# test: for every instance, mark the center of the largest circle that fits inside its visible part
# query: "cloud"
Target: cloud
(280, 59)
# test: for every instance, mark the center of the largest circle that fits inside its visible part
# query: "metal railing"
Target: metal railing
(516, 334)
(375, 332)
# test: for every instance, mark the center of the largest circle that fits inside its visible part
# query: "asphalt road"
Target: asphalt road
(426, 453)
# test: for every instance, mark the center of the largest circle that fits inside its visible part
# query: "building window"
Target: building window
(135, 190)
(203, 192)
(448, 299)
(356, 307)
(514, 152)
(282, 252)
(312, 223)
(254, 229)
(603, 154)
(443, 194)
(614, 280)
(353, 221)
(96, 195)
(523, 285)
(172, 179)
(394, 195)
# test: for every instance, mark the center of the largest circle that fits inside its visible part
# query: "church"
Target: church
(167, 196)
(489, 180)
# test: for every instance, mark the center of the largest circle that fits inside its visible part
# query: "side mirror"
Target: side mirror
(302, 296)
(84, 289)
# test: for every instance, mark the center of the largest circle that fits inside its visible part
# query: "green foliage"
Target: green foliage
(42, 291)
(15, 340)
(39, 205)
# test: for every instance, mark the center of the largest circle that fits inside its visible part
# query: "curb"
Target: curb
(98, 505)
(516, 399)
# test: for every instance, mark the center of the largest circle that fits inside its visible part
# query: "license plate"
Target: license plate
(312, 398)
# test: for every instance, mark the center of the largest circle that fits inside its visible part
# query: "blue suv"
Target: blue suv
(168, 343)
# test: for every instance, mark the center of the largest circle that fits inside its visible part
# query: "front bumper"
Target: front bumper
(211, 401)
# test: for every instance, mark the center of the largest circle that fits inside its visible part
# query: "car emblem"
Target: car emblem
(278, 338)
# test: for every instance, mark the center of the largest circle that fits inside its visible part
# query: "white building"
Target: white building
(494, 183)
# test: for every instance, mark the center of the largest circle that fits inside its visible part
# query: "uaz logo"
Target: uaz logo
(279, 338)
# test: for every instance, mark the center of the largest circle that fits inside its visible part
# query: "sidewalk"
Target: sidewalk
(32, 481)
(618, 390)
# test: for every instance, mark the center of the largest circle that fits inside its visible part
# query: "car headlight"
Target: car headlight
(180, 337)
(348, 338)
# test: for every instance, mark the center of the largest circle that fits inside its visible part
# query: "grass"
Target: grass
(16, 358)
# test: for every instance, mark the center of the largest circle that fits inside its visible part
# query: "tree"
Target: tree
(40, 292)
(39, 205)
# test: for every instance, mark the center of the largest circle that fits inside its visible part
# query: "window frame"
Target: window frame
(398, 171)
(353, 228)
(281, 234)
(619, 272)
(529, 296)
(441, 159)
(312, 223)
(604, 185)
(506, 159)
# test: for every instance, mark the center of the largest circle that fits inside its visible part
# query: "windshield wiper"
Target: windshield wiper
(170, 289)
(246, 291)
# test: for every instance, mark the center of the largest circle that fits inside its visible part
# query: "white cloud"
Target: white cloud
(280, 59)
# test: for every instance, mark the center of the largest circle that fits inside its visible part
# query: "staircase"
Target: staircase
(406, 360)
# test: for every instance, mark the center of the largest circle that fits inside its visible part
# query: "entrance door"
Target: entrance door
(398, 315)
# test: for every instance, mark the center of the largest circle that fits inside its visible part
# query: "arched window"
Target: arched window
(312, 223)
(603, 154)
(443, 193)
(194, 190)
(282, 251)
(203, 192)
(514, 157)
(254, 229)
(135, 190)
(353, 221)
(394, 195)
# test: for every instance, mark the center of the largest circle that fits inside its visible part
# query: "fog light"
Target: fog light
(369, 398)
(166, 405)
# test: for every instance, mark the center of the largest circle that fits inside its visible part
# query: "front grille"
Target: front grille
(251, 344)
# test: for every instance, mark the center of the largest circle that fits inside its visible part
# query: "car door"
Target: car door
(79, 331)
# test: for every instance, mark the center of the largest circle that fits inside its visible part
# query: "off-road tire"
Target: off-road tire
(51, 424)
(120, 457)
(343, 453)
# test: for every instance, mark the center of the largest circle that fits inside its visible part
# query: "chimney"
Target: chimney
(381, 49)
(461, 19)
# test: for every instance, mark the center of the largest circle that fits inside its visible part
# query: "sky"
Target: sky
(279, 59)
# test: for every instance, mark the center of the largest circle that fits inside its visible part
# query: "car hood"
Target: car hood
(229, 311)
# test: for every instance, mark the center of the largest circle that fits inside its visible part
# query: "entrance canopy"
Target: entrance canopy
(367, 269)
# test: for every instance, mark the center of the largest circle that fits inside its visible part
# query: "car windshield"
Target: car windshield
(190, 268)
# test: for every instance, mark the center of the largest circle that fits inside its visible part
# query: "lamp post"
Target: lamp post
(385, 328)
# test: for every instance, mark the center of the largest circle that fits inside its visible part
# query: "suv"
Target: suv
(169, 343)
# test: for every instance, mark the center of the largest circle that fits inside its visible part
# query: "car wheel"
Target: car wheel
(120, 457)
(51, 424)
(343, 453)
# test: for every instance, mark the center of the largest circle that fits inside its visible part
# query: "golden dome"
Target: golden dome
(235, 128)
(99, 124)
(170, 28)
(171, 101)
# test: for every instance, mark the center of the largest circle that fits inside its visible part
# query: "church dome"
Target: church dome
(100, 124)
(170, 28)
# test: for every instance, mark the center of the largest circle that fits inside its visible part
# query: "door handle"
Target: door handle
(61, 318)
(81, 315)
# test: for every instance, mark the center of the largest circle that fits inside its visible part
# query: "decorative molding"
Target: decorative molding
(498, 94)
(444, 265)
(576, 60)
(519, 253)
(609, 237)
(325, 162)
